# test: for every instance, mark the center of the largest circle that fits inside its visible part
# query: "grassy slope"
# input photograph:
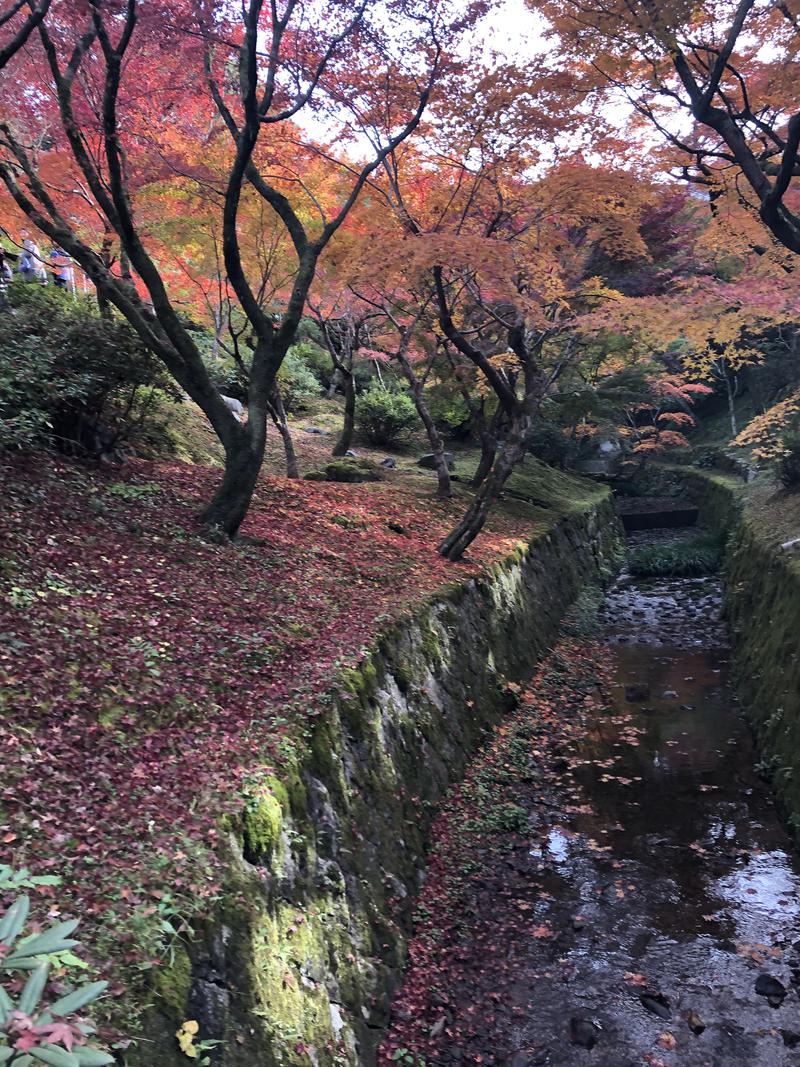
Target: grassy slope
(146, 676)
(775, 517)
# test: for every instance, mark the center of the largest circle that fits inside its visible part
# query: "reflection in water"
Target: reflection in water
(698, 892)
(662, 892)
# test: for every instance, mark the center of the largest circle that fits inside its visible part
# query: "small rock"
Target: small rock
(438, 1026)
(669, 694)
(389, 463)
(583, 1032)
(771, 988)
(315, 430)
(657, 1003)
(351, 452)
(636, 692)
(695, 1023)
(687, 707)
(396, 527)
(521, 1059)
(790, 1038)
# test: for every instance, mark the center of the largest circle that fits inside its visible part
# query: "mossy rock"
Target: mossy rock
(173, 982)
(263, 820)
(346, 470)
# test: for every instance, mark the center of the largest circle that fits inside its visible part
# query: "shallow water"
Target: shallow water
(697, 893)
(663, 867)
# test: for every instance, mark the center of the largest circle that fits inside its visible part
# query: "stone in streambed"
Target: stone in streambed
(771, 988)
(438, 1027)
(583, 1032)
(636, 692)
(656, 1003)
(695, 1023)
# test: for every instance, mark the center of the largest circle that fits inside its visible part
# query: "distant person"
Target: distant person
(31, 265)
(61, 264)
(5, 277)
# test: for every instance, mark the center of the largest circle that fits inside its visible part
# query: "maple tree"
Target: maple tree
(508, 264)
(18, 20)
(729, 68)
(261, 67)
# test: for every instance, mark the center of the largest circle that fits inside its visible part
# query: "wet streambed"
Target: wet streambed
(646, 909)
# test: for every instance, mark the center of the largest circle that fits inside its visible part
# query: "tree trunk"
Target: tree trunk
(731, 404)
(336, 381)
(444, 491)
(458, 540)
(292, 469)
(349, 423)
(244, 454)
(278, 413)
(488, 433)
(488, 452)
(754, 389)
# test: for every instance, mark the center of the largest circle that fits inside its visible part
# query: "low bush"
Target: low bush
(681, 559)
(298, 383)
(385, 417)
(69, 377)
(550, 444)
(449, 411)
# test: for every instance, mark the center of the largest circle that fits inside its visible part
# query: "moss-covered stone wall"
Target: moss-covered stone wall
(762, 605)
(298, 963)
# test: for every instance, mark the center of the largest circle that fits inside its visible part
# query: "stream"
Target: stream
(658, 861)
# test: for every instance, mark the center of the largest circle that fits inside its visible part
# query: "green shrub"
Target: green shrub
(550, 444)
(449, 410)
(385, 417)
(66, 373)
(682, 559)
(298, 382)
(789, 465)
(316, 358)
(364, 375)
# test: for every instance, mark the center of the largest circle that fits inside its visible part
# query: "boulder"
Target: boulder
(346, 470)
(429, 461)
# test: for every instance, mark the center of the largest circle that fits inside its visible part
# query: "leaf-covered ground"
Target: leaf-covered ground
(479, 904)
(145, 674)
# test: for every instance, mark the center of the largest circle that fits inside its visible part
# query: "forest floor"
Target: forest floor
(145, 674)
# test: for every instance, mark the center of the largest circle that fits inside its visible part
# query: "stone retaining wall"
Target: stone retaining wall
(299, 961)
